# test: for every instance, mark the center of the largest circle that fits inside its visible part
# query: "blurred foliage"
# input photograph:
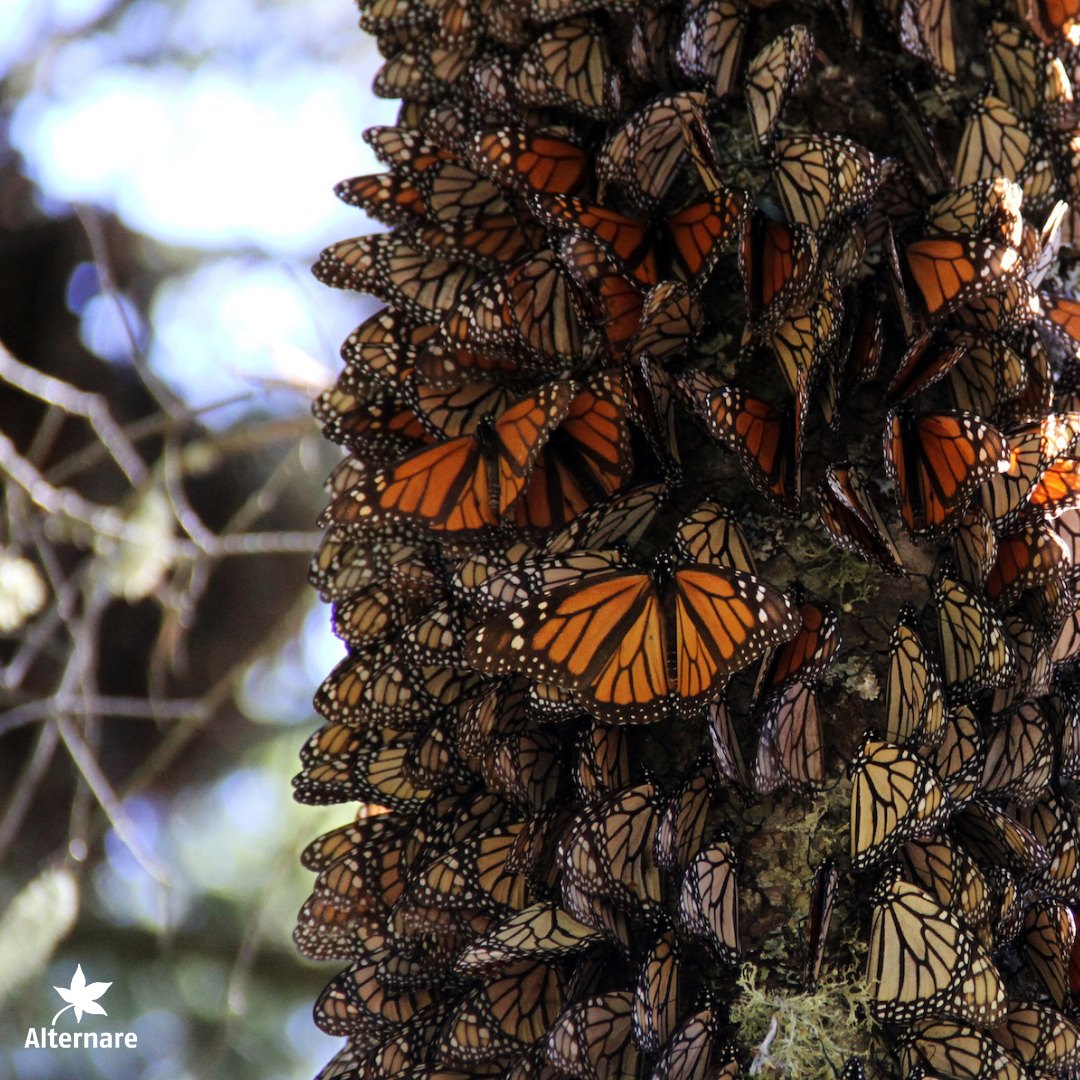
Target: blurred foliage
(158, 643)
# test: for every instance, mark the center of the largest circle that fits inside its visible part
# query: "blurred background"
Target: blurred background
(166, 173)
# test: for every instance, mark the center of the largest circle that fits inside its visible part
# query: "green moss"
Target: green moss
(801, 1035)
(827, 571)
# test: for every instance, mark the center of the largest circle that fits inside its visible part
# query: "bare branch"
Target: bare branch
(168, 401)
(87, 764)
(189, 709)
(91, 407)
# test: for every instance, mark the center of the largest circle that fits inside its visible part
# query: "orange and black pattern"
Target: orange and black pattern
(693, 313)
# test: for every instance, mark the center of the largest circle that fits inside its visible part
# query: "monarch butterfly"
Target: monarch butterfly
(409, 75)
(1051, 822)
(384, 349)
(473, 874)
(400, 273)
(494, 1021)
(923, 963)
(708, 899)
(382, 429)
(593, 1038)
(708, 534)
(644, 155)
(808, 654)
(636, 645)
(611, 849)
(823, 893)
(1004, 312)
(975, 649)
(671, 318)
(987, 374)
(370, 617)
(536, 846)
(529, 161)
(790, 747)
(1026, 74)
(989, 207)
(658, 994)
(852, 520)
(626, 239)
(959, 756)
(384, 197)
(820, 178)
(594, 436)
(926, 31)
(937, 462)
(760, 436)
(948, 874)
(995, 838)
(702, 230)
(1006, 494)
(529, 312)
(372, 827)
(683, 820)
(997, 142)
(926, 360)
(779, 265)
(616, 300)
(691, 1053)
(381, 690)
(1027, 559)
(398, 1054)
(726, 753)
(342, 567)
(464, 485)
(329, 929)
(625, 516)
(1019, 757)
(710, 45)
(959, 1050)
(914, 702)
(1049, 932)
(541, 931)
(975, 546)
(524, 767)
(603, 761)
(1058, 488)
(951, 271)
(570, 67)
(648, 55)
(1040, 1037)
(1055, 21)
(357, 1001)
(805, 344)
(487, 242)
(1066, 709)
(894, 797)
(773, 75)
(449, 413)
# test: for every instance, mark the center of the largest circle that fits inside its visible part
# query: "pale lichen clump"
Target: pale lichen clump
(800, 1034)
(22, 591)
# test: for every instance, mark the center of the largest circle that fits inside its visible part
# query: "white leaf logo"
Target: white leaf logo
(81, 997)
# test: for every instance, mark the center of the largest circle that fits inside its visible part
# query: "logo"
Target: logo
(82, 997)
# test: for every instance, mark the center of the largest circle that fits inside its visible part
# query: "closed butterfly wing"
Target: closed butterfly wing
(923, 963)
(895, 796)
(914, 702)
(938, 461)
(851, 519)
(773, 75)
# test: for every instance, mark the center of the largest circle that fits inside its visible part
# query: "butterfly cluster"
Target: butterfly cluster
(668, 287)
